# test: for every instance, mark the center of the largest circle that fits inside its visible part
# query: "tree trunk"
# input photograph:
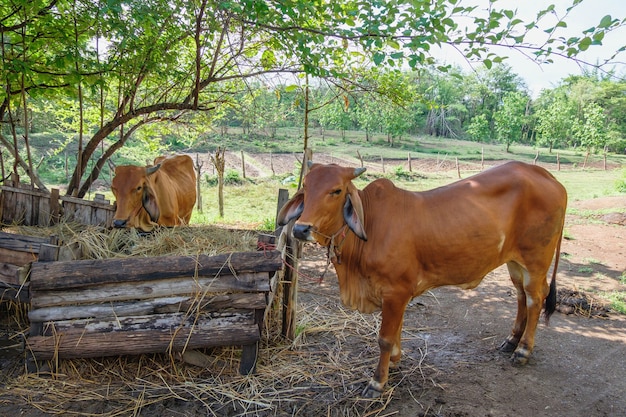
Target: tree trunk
(198, 172)
(219, 162)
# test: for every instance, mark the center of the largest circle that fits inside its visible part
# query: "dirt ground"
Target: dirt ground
(450, 365)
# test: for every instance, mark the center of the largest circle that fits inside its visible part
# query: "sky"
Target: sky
(585, 15)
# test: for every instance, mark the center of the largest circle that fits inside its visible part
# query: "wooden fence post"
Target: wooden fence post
(291, 255)
(482, 158)
(243, 164)
(198, 172)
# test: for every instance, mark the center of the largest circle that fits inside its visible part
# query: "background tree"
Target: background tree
(554, 120)
(589, 131)
(510, 120)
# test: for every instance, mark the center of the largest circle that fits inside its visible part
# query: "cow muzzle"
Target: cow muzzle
(303, 232)
(119, 224)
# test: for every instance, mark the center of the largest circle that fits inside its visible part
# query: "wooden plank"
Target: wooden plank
(73, 274)
(249, 356)
(151, 306)
(21, 209)
(126, 291)
(48, 253)
(18, 258)
(25, 190)
(55, 206)
(8, 206)
(90, 345)
(22, 243)
(171, 322)
(9, 273)
(79, 202)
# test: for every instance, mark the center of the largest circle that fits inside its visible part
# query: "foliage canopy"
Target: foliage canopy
(127, 64)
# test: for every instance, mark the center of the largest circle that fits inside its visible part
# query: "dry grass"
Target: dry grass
(99, 243)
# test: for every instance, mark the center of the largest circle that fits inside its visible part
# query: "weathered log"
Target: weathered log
(89, 345)
(152, 306)
(73, 274)
(170, 322)
(125, 291)
(21, 243)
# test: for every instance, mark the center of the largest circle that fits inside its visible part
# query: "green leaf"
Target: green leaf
(487, 63)
(291, 88)
(268, 59)
(606, 21)
(585, 43)
(598, 37)
(393, 43)
(378, 58)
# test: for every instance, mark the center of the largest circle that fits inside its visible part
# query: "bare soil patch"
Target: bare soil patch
(450, 366)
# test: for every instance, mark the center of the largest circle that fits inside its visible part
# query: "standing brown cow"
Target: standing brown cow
(389, 245)
(163, 194)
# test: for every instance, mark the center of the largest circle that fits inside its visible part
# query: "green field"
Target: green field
(253, 203)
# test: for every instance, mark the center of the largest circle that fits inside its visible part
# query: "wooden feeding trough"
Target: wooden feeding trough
(105, 307)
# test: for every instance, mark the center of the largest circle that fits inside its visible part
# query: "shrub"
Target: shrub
(620, 184)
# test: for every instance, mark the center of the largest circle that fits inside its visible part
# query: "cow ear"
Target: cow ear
(353, 213)
(149, 203)
(292, 209)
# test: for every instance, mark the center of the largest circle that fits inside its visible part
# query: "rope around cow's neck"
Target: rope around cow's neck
(336, 248)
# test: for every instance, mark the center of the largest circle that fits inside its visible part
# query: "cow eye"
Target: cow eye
(335, 192)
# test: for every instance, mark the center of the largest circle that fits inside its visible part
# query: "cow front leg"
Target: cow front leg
(389, 341)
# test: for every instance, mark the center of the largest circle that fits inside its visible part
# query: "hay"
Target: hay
(98, 243)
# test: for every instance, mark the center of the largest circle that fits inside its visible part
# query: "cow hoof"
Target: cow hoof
(372, 390)
(507, 346)
(520, 357)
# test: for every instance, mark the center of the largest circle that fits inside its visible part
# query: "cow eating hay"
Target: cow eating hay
(163, 194)
(389, 245)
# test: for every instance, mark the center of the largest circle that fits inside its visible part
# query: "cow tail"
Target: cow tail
(550, 305)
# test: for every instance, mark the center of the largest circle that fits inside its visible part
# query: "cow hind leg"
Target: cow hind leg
(529, 303)
(516, 271)
(537, 289)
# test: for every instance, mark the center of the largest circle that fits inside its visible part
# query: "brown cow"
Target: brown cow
(163, 194)
(389, 245)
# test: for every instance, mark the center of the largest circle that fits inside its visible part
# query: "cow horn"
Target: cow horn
(153, 169)
(359, 171)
